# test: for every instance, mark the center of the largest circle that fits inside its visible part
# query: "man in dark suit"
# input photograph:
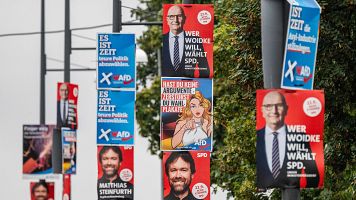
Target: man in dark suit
(66, 117)
(183, 54)
(273, 165)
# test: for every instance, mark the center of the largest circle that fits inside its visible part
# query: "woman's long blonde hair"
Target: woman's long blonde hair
(187, 113)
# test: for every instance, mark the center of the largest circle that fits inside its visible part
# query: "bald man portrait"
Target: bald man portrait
(175, 61)
(66, 117)
(272, 140)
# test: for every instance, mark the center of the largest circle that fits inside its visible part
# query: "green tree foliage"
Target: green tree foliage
(238, 73)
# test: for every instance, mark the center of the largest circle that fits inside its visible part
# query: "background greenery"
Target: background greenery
(238, 73)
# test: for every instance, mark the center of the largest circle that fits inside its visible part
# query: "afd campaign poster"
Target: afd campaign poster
(186, 114)
(37, 149)
(115, 172)
(116, 117)
(290, 139)
(116, 61)
(301, 45)
(186, 175)
(42, 190)
(66, 191)
(67, 99)
(188, 40)
(69, 151)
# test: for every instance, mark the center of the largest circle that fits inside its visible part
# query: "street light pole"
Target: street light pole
(43, 67)
(67, 42)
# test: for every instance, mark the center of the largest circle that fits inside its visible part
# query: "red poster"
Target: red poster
(66, 195)
(67, 98)
(290, 138)
(42, 190)
(186, 175)
(188, 40)
(115, 172)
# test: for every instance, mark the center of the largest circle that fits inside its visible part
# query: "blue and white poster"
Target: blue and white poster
(301, 45)
(116, 61)
(69, 151)
(115, 117)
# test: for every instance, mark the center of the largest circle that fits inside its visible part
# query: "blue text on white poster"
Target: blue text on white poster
(301, 45)
(116, 61)
(115, 117)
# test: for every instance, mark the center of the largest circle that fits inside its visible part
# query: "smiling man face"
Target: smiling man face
(110, 163)
(176, 19)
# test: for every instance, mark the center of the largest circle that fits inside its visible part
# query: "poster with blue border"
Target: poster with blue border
(37, 149)
(186, 114)
(301, 45)
(116, 61)
(115, 117)
(69, 151)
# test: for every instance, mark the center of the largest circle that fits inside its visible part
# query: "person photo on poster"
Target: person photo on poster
(37, 149)
(273, 146)
(194, 123)
(110, 185)
(40, 191)
(66, 108)
(176, 44)
(180, 170)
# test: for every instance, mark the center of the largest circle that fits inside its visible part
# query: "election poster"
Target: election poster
(188, 40)
(37, 149)
(115, 172)
(67, 99)
(116, 61)
(42, 190)
(186, 175)
(186, 114)
(301, 45)
(116, 117)
(289, 128)
(66, 192)
(69, 149)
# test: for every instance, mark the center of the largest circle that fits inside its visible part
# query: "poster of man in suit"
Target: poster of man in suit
(290, 139)
(188, 40)
(67, 98)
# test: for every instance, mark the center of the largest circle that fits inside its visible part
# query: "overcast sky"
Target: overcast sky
(20, 84)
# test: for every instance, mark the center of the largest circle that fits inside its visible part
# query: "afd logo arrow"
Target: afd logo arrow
(290, 70)
(106, 77)
(104, 134)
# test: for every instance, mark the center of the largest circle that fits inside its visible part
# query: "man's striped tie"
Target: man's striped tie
(176, 53)
(275, 156)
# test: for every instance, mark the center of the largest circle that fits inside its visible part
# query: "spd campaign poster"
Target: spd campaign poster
(37, 149)
(116, 61)
(42, 190)
(66, 192)
(69, 151)
(188, 40)
(67, 99)
(301, 45)
(186, 114)
(290, 138)
(186, 173)
(115, 172)
(116, 117)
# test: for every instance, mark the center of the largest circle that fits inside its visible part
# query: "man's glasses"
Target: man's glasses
(269, 107)
(173, 17)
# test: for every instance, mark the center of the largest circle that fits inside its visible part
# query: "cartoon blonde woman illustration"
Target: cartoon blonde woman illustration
(194, 123)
